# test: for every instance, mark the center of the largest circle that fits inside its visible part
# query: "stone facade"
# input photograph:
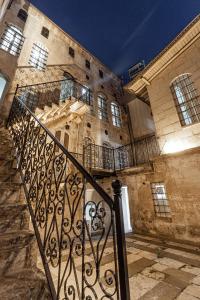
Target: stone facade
(178, 165)
(19, 72)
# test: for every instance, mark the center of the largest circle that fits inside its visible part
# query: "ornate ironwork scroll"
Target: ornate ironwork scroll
(73, 218)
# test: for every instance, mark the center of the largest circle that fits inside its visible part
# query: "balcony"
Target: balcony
(39, 95)
(103, 161)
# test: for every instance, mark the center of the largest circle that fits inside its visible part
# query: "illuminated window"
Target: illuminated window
(116, 116)
(161, 203)
(39, 55)
(186, 99)
(12, 40)
(102, 108)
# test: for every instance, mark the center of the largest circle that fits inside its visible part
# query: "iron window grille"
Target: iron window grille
(186, 99)
(102, 108)
(100, 74)
(116, 115)
(22, 14)
(45, 32)
(161, 203)
(39, 56)
(12, 40)
(71, 52)
(87, 64)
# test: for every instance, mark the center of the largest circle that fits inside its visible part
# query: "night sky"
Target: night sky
(121, 32)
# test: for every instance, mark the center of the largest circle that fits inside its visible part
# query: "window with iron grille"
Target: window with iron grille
(12, 40)
(71, 52)
(102, 108)
(187, 99)
(39, 56)
(45, 32)
(116, 115)
(100, 74)
(87, 64)
(22, 14)
(161, 203)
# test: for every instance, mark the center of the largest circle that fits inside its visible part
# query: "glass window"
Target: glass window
(102, 108)
(160, 199)
(116, 115)
(22, 14)
(186, 99)
(39, 55)
(45, 32)
(12, 40)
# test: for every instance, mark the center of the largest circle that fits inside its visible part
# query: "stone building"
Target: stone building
(170, 87)
(146, 134)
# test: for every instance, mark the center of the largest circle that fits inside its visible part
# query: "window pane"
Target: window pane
(186, 99)
(12, 40)
(38, 58)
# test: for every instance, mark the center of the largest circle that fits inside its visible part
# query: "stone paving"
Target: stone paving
(159, 269)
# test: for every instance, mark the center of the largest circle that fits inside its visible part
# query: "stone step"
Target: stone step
(11, 193)
(14, 217)
(30, 284)
(7, 167)
(18, 251)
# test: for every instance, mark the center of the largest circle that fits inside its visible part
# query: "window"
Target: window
(186, 99)
(116, 116)
(71, 52)
(100, 74)
(22, 14)
(45, 32)
(161, 203)
(12, 40)
(39, 55)
(87, 64)
(102, 108)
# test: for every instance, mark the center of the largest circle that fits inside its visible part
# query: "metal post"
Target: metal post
(121, 242)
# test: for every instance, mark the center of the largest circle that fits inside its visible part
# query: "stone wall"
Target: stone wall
(180, 173)
(168, 127)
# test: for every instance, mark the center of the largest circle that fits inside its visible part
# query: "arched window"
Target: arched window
(102, 108)
(12, 40)
(3, 83)
(116, 115)
(187, 99)
(39, 56)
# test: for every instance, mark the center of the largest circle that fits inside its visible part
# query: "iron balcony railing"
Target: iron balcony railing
(73, 228)
(39, 95)
(140, 152)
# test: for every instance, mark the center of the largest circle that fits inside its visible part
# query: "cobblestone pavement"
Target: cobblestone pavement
(159, 269)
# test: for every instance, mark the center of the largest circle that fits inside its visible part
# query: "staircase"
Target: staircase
(19, 276)
(69, 110)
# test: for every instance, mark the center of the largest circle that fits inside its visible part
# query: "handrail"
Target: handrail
(87, 175)
(65, 217)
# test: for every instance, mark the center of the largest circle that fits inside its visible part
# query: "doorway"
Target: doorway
(3, 83)
(126, 210)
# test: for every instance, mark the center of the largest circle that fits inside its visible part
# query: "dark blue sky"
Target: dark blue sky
(121, 32)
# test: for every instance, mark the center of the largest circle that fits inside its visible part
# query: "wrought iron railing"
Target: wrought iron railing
(39, 95)
(139, 152)
(98, 157)
(76, 232)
